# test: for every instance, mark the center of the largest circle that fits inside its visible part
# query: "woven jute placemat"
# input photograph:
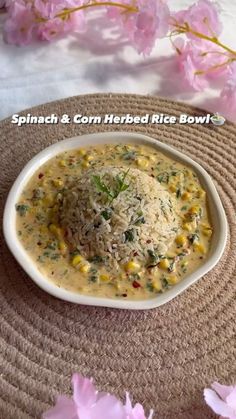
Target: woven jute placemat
(163, 357)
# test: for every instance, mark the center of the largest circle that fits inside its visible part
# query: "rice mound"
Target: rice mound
(142, 217)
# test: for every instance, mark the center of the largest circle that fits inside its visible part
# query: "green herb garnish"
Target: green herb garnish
(101, 187)
(120, 185)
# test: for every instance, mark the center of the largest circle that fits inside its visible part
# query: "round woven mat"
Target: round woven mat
(163, 357)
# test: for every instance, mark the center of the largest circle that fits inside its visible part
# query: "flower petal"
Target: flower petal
(231, 399)
(64, 408)
(108, 407)
(222, 390)
(218, 405)
(84, 392)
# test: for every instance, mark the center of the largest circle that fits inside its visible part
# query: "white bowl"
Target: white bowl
(217, 214)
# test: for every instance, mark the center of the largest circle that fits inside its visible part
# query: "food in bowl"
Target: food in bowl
(121, 221)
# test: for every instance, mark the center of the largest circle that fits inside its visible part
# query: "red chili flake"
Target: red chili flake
(135, 253)
(39, 244)
(152, 175)
(124, 295)
(40, 175)
(148, 241)
(136, 284)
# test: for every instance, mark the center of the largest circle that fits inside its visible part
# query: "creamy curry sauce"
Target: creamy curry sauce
(44, 240)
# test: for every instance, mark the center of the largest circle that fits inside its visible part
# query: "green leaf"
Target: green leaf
(101, 185)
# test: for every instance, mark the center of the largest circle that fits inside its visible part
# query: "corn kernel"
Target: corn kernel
(82, 152)
(173, 279)
(132, 266)
(85, 164)
(43, 229)
(172, 188)
(88, 157)
(181, 240)
(57, 231)
(187, 226)
(48, 200)
(58, 183)
(164, 264)
(185, 196)
(156, 283)
(201, 193)
(194, 210)
(199, 247)
(84, 268)
(118, 286)
(76, 260)
(191, 188)
(207, 232)
(141, 162)
(104, 277)
(62, 163)
(62, 246)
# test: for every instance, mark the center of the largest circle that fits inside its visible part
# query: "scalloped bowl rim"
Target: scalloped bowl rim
(216, 209)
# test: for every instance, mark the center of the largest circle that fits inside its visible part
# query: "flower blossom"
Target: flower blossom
(143, 27)
(222, 400)
(27, 21)
(202, 17)
(228, 94)
(88, 403)
(199, 61)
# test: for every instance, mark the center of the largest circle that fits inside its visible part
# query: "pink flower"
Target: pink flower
(135, 412)
(228, 94)
(199, 61)
(202, 17)
(145, 26)
(88, 403)
(222, 400)
(20, 24)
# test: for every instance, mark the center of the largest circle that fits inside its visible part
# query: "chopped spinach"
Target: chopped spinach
(129, 155)
(163, 177)
(164, 282)
(129, 235)
(150, 287)
(140, 220)
(52, 245)
(153, 259)
(193, 238)
(106, 213)
(171, 266)
(178, 193)
(22, 209)
(96, 259)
